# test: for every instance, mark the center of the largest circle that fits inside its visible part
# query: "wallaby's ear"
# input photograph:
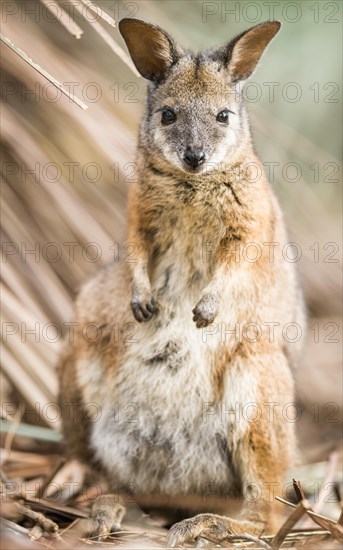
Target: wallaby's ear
(152, 50)
(244, 51)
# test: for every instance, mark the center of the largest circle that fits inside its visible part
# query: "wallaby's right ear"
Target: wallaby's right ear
(152, 50)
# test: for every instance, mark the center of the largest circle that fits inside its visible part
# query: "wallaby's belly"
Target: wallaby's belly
(160, 430)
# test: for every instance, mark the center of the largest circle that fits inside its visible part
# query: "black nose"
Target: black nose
(194, 157)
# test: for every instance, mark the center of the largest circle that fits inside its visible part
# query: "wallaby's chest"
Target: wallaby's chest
(186, 242)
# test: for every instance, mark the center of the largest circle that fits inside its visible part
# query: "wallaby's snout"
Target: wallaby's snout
(194, 157)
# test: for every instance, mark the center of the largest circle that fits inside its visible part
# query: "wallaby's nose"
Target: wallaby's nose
(194, 157)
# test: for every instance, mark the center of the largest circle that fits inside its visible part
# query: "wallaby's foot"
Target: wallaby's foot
(144, 306)
(206, 310)
(209, 526)
(107, 514)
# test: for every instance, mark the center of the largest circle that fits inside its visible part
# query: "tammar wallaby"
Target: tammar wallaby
(185, 404)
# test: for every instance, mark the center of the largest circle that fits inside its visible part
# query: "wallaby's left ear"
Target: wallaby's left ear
(244, 51)
(152, 50)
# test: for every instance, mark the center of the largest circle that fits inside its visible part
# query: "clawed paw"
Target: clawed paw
(107, 514)
(208, 527)
(144, 308)
(205, 311)
(204, 526)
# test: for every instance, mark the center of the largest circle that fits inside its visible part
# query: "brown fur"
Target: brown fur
(174, 211)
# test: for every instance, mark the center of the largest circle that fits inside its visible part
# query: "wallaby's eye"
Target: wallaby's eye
(168, 116)
(223, 116)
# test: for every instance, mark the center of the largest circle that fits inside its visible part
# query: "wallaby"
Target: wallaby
(196, 396)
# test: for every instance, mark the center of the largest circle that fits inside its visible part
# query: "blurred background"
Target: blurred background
(66, 172)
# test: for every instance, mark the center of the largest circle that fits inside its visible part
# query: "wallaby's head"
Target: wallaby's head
(195, 119)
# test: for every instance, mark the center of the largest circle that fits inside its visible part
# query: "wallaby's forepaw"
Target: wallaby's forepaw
(144, 307)
(206, 310)
(107, 514)
(209, 527)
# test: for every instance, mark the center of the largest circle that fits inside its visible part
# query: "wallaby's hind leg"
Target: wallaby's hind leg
(260, 460)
